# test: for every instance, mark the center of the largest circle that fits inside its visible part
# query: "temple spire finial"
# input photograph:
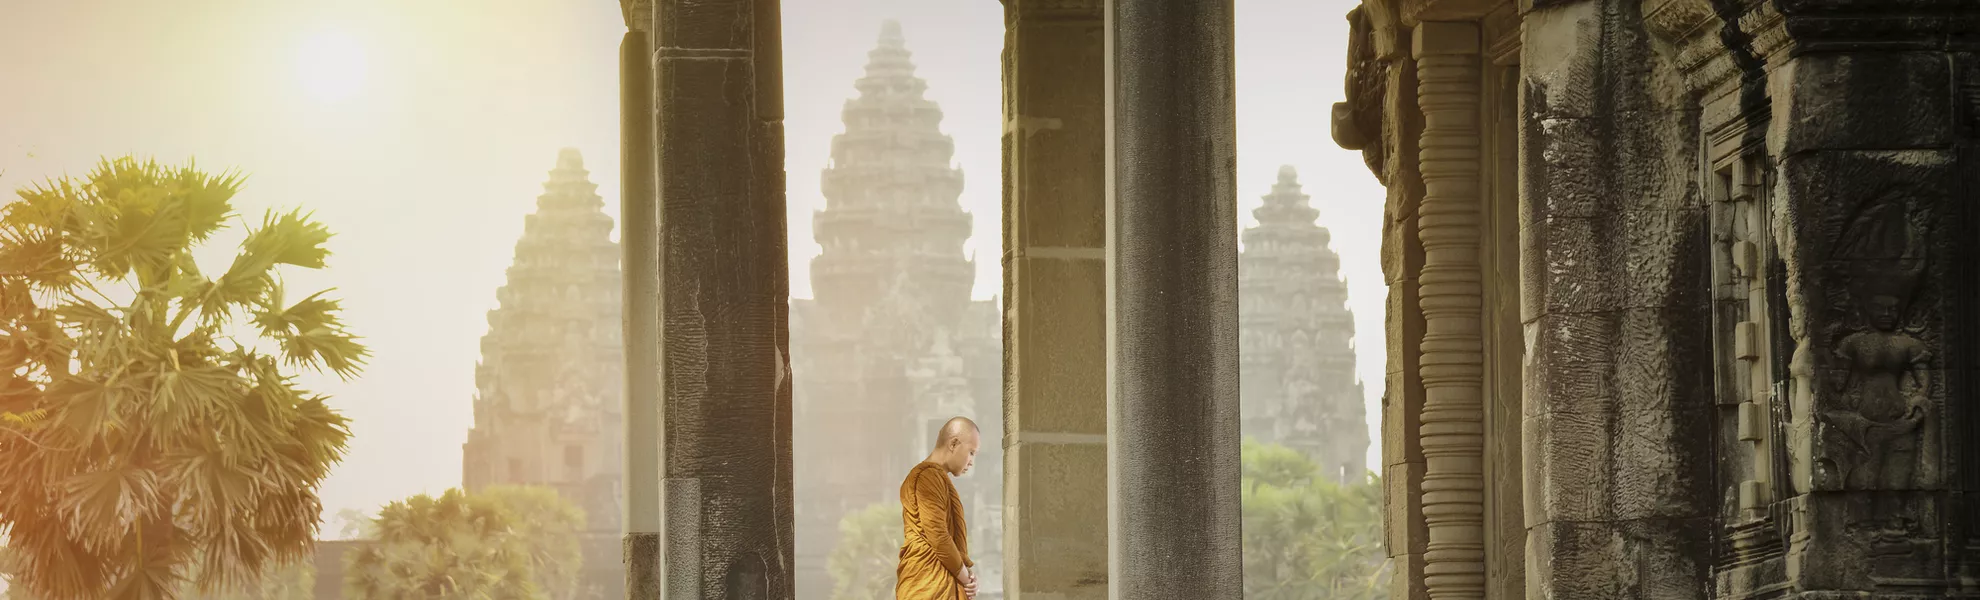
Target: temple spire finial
(569, 158)
(890, 34)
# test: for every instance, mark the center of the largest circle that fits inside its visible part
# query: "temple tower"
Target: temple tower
(547, 409)
(1298, 386)
(892, 344)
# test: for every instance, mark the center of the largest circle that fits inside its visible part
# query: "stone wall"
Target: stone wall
(1746, 321)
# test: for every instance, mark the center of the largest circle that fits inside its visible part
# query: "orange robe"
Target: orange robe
(935, 540)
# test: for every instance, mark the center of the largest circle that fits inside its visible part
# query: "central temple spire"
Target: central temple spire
(892, 218)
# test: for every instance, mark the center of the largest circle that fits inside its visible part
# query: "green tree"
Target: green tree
(863, 564)
(1306, 536)
(293, 581)
(548, 525)
(501, 543)
(144, 448)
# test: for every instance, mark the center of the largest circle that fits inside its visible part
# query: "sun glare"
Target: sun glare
(332, 66)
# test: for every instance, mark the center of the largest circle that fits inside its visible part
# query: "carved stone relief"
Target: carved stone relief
(1357, 122)
(1881, 376)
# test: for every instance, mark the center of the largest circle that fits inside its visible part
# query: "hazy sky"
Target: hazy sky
(421, 132)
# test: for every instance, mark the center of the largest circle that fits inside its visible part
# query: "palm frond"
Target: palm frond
(142, 459)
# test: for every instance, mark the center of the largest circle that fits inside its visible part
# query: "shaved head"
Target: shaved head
(954, 430)
(955, 446)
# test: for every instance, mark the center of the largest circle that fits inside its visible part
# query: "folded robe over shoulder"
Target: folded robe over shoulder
(936, 539)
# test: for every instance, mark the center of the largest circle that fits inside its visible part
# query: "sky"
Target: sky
(422, 131)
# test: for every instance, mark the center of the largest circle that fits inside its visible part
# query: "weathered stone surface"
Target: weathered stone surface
(1618, 404)
(1654, 558)
(1402, 419)
(1632, 109)
(1569, 59)
(725, 284)
(642, 552)
(1887, 543)
(1055, 300)
(1059, 350)
(1863, 101)
(1868, 228)
(1620, 463)
(1173, 410)
(1053, 73)
(1058, 509)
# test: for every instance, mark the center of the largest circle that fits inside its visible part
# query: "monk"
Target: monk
(935, 561)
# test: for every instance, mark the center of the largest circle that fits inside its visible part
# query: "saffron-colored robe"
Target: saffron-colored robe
(935, 540)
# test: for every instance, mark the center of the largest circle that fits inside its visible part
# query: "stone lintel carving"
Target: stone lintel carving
(1449, 79)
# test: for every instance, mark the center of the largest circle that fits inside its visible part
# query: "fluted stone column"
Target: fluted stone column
(1452, 433)
(1173, 440)
(1055, 301)
(725, 444)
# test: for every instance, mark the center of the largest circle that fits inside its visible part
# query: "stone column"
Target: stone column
(1055, 311)
(1874, 126)
(1447, 73)
(724, 299)
(1618, 376)
(1173, 424)
(639, 214)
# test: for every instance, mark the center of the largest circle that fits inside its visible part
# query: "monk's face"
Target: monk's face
(965, 452)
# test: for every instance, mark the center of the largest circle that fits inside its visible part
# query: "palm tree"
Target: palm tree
(547, 525)
(143, 449)
(863, 564)
(501, 543)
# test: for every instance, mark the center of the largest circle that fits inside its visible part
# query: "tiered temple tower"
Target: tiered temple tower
(551, 379)
(1298, 386)
(891, 345)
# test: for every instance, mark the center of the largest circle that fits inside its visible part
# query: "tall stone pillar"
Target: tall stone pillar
(723, 300)
(1055, 301)
(1173, 424)
(1451, 295)
(639, 222)
(1874, 128)
(1618, 375)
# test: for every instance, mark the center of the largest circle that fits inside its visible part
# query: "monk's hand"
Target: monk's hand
(968, 582)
